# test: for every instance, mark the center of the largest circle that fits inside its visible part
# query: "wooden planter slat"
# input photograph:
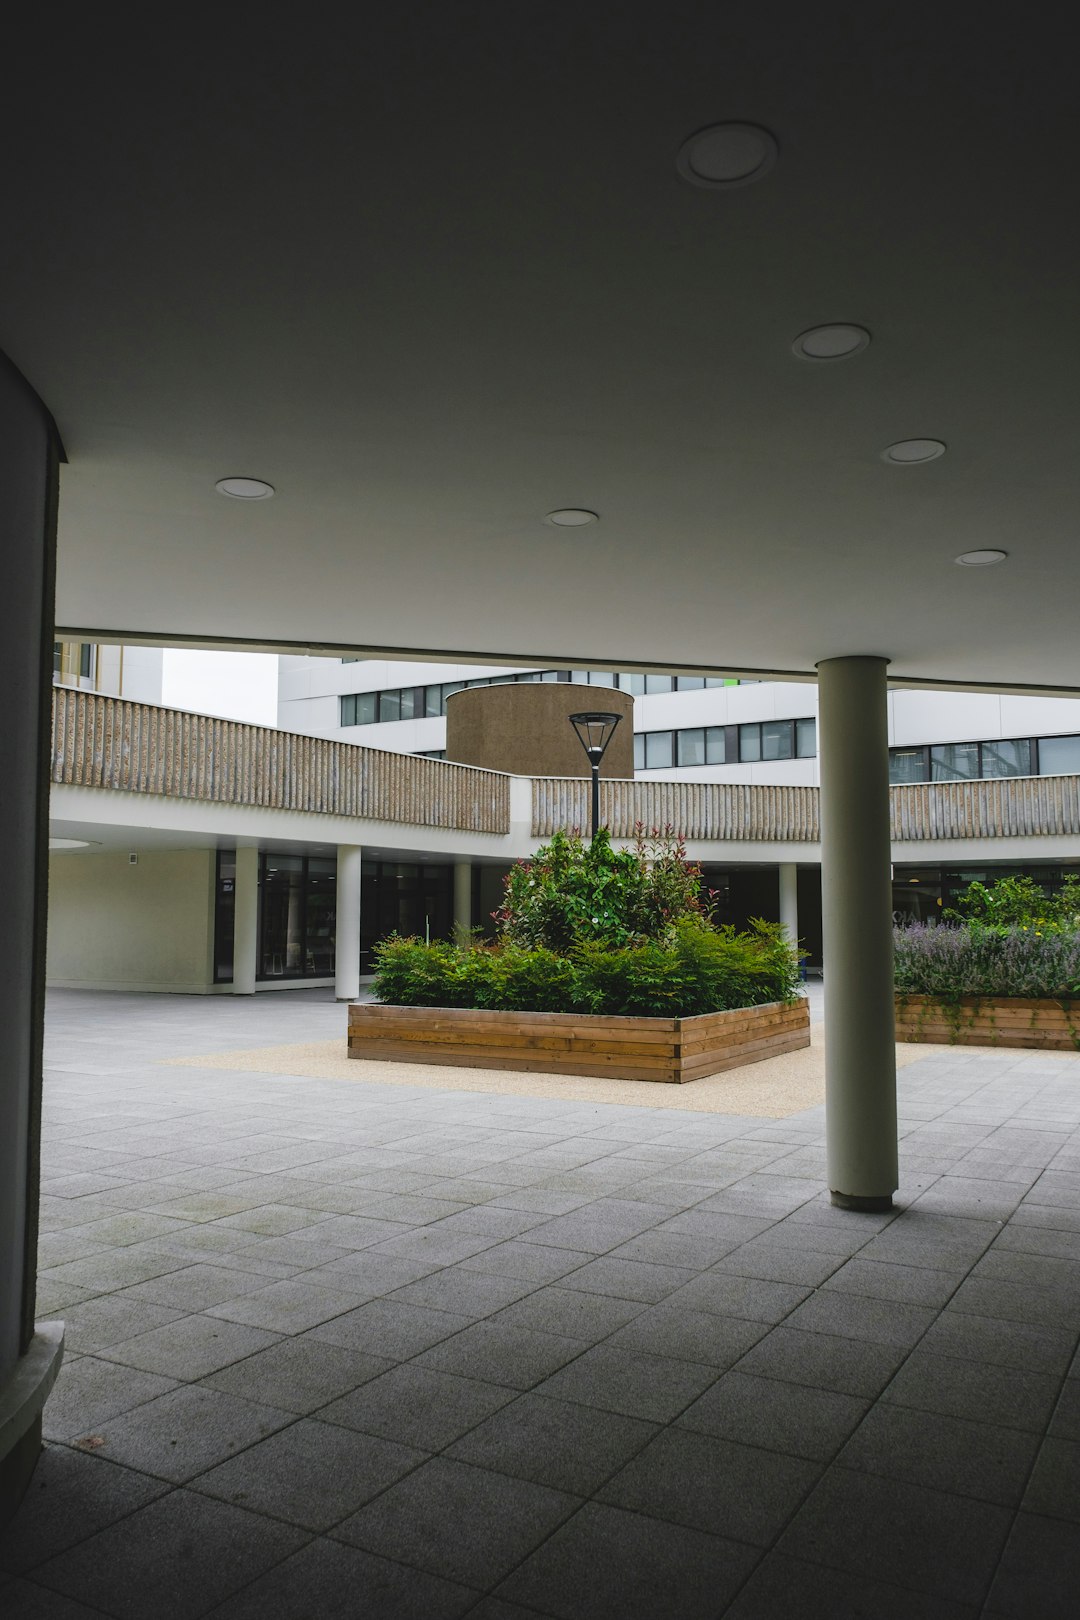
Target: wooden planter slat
(982, 1021)
(672, 1050)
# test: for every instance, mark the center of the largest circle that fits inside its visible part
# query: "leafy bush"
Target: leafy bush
(993, 960)
(695, 969)
(573, 893)
(1021, 902)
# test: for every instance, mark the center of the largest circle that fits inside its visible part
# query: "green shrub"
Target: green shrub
(1020, 902)
(974, 959)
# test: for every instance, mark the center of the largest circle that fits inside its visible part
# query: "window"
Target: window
(954, 762)
(908, 765)
(689, 683)
(715, 745)
(659, 750)
(296, 916)
(1006, 758)
(359, 708)
(659, 683)
(749, 743)
(433, 702)
(632, 683)
(692, 746)
(806, 738)
(86, 659)
(776, 739)
(1059, 756)
(431, 753)
(639, 750)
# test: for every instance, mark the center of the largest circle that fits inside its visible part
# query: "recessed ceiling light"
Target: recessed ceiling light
(913, 452)
(244, 489)
(71, 843)
(831, 342)
(571, 517)
(980, 559)
(727, 155)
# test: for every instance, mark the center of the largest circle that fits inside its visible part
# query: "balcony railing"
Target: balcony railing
(105, 742)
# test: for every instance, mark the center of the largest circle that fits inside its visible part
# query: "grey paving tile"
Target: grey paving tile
(751, 1298)
(312, 1474)
(1054, 1488)
(432, 1244)
(570, 1312)
(1013, 1302)
(189, 1349)
(144, 1566)
(608, 1564)
(418, 1406)
(465, 1524)
(369, 1276)
(97, 1323)
(824, 1361)
(904, 1535)
(195, 1287)
(983, 1460)
(656, 1388)
(628, 1279)
(89, 1392)
(766, 1412)
(497, 1354)
(1039, 1574)
(807, 1591)
(531, 1262)
(25, 1600)
(189, 1429)
(673, 1329)
(335, 1582)
(978, 1390)
(467, 1293)
(778, 1262)
(906, 1285)
(273, 1220)
(1007, 1344)
(388, 1328)
(291, 1305)
(71, 1495)
(115, 1268)
(853, 1316)
(298, 1374)
(558, 1443)
(1065, 1423)
(738, 1491)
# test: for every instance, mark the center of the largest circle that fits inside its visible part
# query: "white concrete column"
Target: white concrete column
(28, 496)
(347, 943)
(462, 896)
(856, 916)
(788, 875)
(245, 921)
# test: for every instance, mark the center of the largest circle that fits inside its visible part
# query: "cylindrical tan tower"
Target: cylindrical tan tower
(524, 727)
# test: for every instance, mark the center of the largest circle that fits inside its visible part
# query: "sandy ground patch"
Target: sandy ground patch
(772, 1089)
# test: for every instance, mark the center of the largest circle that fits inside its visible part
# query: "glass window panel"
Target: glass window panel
(632, 683)
(433, 701)
(86, 659)
(776, 739)
(1059, 756)
(1011, 758)
(549, 675)
(659, 683)
(450, 687)
(717, 680)
(502, 680)
(409, 706)
(806, 738)
(749, 743)
(689, 683)
(580, 677)
(57, 656)
(907, 765)
(367, 708)
(658, 750)
(389, 706)
(954, 762)
(692, 746)
(715, 746)
(601, 677)
(639, 750)
(531, 675)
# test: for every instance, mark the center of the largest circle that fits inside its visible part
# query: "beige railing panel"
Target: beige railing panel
(109, 742)
(1007, 807)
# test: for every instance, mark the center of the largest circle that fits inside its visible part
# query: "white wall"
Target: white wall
(114, 926)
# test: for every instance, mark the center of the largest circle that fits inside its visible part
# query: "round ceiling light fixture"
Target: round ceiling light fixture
(913, 452)
(571, 517)
(245, 489)
(71, 843)
(724, 156)
(980, 559)
(831, 342)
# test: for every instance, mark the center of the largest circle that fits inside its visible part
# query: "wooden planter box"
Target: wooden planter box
(668, 1049)
(984, 1021)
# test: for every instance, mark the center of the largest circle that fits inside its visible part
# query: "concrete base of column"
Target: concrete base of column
(865, 1206)
(21, 1400)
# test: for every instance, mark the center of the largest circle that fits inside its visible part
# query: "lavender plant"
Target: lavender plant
(949, 963)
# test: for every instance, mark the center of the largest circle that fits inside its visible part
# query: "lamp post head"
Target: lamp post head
(595, 731)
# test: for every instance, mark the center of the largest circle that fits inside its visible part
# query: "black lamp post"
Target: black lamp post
(595, 731)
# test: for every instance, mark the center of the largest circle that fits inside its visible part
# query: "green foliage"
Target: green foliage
(573, 893)
(992, 960)
(694, 969)
(1020, 902)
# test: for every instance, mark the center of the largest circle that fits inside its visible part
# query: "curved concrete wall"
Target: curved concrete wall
(524, 727)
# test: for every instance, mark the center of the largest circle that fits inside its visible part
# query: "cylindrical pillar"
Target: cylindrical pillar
(856, 917)
(347, 943)
(462, 897)
(28, 496)
(788, 874)
(245, 921)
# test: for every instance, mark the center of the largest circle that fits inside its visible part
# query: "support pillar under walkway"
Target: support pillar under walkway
(856, 914)
(350, 860)
(246, 921)
(30, 1352)
(462, 896)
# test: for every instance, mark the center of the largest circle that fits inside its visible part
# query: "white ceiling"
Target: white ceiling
(433, 273)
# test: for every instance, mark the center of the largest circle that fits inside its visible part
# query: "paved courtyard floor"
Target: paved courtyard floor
(400, 1353)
